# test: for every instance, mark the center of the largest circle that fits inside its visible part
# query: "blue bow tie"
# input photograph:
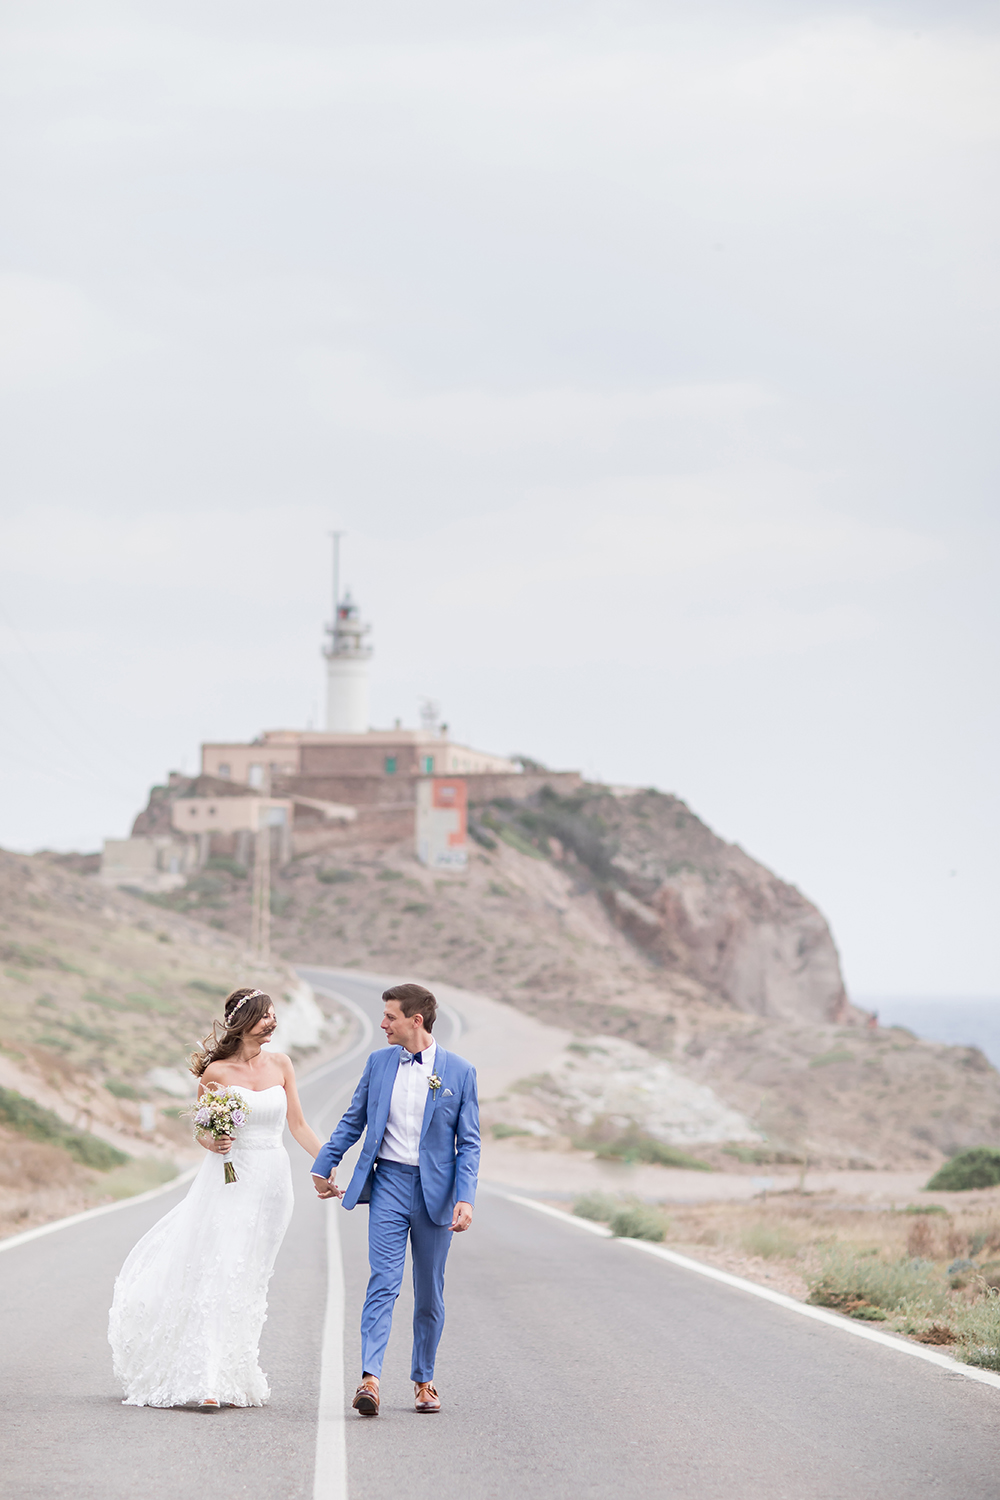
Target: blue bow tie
(409, 1057)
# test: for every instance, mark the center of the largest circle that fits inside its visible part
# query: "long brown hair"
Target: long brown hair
(239, 1019)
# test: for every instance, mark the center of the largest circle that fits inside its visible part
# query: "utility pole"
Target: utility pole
(260, 908)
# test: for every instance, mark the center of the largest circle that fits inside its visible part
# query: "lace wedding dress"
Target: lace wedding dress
(191, 1298)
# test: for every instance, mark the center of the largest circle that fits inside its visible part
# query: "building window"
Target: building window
(223, 771)
(428, 765)
(255, 775)
(390, 765)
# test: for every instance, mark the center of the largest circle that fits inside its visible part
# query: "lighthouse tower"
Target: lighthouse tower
(347, 658)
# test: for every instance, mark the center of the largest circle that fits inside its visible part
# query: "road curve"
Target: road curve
(569, 1368)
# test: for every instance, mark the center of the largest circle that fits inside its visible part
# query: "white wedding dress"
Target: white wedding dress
(191, 1298)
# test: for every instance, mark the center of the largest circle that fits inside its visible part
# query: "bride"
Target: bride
(191, 1298)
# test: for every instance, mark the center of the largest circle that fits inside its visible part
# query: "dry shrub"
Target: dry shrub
(921, 1241)
(33, 1164)
(957, 1245)
(770, 1241)
(937, 1333)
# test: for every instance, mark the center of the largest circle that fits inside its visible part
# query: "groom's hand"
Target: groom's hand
(326, 1187)
(462, 1217)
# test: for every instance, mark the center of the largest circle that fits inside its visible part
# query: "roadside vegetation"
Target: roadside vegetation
(30, 1119)
(929, 1271)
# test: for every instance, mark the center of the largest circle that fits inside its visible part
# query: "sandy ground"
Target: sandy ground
(563, 1175)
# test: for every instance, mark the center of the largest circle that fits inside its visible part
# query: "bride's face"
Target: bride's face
(264, 1027)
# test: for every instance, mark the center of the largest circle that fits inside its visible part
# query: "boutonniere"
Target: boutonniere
(434, 1083)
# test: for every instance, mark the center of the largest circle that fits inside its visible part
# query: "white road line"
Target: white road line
(95, 1213)
(330, 1481)
(804, 1310)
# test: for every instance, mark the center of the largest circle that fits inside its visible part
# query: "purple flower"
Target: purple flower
(239, 1118)
(203, 1117)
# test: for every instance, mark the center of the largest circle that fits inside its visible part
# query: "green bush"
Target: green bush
(38, 1124)
(502, 1131)
(150, 1002)
(636, 1221)
(335, 877)
(978, 1168)
(634, 1145)
(85, 1033)
(205, 987)
(231, 866)
(520, 843)
(598, 1206)
(848, 1281)
(928, 1208)
(120, 1089)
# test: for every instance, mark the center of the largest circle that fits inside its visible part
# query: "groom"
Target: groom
(418, 1105)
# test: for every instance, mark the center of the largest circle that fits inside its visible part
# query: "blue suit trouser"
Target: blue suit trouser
(397, 1212)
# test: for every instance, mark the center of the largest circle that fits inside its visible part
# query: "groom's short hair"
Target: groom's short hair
(413, 999)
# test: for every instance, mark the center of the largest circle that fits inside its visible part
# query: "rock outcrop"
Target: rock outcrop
(698, 906)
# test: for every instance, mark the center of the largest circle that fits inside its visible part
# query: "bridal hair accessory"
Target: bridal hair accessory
(242, 1001)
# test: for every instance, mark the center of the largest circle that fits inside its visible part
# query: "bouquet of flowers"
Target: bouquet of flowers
(221, 1112)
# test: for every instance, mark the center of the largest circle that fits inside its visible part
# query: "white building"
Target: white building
(348, 709)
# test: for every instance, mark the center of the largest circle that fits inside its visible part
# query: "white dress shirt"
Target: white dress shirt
(401, 1141)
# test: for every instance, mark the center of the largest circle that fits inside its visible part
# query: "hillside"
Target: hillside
(625, 916)
(96, 990)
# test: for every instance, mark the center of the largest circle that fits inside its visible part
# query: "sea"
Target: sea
(966, 1022)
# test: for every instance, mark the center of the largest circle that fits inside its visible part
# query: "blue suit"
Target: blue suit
(408, 1202)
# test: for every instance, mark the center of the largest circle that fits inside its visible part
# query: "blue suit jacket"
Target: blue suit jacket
(449, 1139)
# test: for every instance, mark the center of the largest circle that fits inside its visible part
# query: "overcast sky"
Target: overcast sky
(646, 352)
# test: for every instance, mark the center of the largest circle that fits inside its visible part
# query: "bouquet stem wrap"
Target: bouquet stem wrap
(221, 1112)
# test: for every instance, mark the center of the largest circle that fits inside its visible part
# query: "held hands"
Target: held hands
(326, 1187)
(461, 1218)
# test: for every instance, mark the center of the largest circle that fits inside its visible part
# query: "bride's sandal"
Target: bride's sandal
(209, 1404)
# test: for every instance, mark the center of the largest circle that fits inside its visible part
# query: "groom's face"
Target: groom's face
(399, 1029)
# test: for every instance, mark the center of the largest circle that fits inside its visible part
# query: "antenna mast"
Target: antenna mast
(335, 628)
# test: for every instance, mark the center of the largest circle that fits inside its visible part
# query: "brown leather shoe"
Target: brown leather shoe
(366, 1399)
(425, 1397)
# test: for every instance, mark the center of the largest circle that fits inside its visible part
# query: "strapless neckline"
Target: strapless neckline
(248, 1090)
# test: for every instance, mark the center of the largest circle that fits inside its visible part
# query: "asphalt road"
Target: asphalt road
(571, 1366)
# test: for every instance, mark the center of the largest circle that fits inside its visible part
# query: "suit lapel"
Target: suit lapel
(385, 1094)
(441, 1059)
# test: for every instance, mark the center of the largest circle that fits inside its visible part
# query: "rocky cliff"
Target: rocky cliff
(696, 905)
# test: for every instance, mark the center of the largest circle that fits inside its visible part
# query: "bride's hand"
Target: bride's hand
(221, 1144)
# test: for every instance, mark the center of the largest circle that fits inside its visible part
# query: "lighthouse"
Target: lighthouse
(347, 658)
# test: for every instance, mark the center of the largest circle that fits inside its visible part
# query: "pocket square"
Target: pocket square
(447, 1094)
